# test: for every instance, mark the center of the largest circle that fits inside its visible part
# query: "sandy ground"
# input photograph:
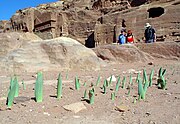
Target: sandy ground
(159, 107)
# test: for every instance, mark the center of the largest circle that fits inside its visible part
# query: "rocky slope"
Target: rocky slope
(101, 20)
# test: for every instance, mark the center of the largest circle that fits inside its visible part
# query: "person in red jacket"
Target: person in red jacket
(129, 37)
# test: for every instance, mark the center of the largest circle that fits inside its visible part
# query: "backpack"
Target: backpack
(149, 33)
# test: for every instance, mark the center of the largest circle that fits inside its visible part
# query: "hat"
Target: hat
(147, 25)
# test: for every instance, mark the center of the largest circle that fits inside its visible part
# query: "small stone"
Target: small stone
(148, 113)
(121, 108)
(75, 107)
(150, 63)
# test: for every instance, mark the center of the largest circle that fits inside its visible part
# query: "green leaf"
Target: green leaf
(113, 96)
(130, 80)
(98, 80)
(151, 77)
(59, 87)
(11, 95)
(110, 81)
(140, 89)
(144, 76)
(104, 89)
(17, 87)
(118, 84)
(160, 72)
(91, 96)
(39, 87)
(124, 82)
(164, 72)
(77, 84)
(85, 94)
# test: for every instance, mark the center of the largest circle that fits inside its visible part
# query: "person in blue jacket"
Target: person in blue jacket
(122, 37)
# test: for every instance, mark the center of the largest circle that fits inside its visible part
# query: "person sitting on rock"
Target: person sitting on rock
(122, 37)
(149, 34)
(129, 37)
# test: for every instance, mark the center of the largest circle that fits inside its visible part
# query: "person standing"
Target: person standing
(129, 37)
(149, 34)
(122, 37)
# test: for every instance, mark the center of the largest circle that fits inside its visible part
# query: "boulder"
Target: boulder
(50, 55)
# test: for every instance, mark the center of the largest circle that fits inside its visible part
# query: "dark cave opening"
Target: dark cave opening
(155, 12)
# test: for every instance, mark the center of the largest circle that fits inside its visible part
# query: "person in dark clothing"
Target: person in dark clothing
(149, 34)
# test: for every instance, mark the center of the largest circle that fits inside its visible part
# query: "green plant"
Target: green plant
(98, 80)
(77, 84)
(118, 84)
(124, 82)
(85, 94)
(106, 83)
(14, 87)
(130, 80)
(142, 89)
(138, 76)
(151, 77)
(91, 96)
(104, 89)
(110, 81)
(39, 87)
(161, 80)
(24, 86)
(141, 92)
(13, 81)
(145, 79)
(113, 96)
(59, 87)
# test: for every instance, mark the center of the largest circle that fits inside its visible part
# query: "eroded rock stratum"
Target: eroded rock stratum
(97, 21)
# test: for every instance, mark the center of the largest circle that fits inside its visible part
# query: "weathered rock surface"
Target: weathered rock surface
(75, 107)
(138, 52)
(48, 55)
(92, 21)
(121, 53)
(166, 50)
(14, 40)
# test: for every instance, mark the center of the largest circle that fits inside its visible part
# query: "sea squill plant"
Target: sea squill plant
(118, 83)
(151, 77)
(39, 87)
(161, 80)
(98, 80)
(13, 90)
(91, 96)
(77, 84)
(59, 87)
(124, 82)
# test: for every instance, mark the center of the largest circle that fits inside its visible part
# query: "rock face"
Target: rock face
(50, 55)
(167, 50)
(14, 40)
(138, 52)
(95, 22)
(121, 53)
